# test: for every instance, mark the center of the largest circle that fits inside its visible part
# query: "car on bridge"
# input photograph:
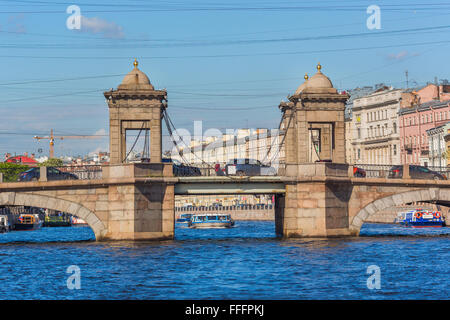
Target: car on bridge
(182, 170)
(416, 172)
(359, 172)
(34, 174)
(248, 167)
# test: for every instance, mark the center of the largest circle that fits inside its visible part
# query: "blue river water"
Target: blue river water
(244, 262)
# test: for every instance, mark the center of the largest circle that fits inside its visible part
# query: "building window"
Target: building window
(359, 133)
(359, 154)
(395, 149)
(395, 127)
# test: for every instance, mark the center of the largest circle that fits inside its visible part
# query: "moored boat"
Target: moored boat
(184, 218)
(5, 225)
(78, 222)
(419, 218)
(57, 221)
(27, 222)
(211, 221)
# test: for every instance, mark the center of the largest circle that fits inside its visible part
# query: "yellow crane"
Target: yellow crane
(52, 138)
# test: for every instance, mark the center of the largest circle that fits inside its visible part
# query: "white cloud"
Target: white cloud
(401, 55)
(101, 132)
(99, 26)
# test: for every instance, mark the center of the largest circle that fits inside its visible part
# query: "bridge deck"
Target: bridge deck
(220, 184)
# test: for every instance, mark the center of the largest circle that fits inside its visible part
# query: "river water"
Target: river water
(244, 262)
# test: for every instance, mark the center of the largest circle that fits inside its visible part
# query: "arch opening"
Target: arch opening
(57, 204)
(432, 196)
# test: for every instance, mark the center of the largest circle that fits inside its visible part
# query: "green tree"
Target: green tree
(11, 171)
(52, 162)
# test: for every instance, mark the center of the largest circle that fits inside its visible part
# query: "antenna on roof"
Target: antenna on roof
(407, 82)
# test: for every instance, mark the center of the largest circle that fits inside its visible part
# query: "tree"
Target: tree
(11, 171)
(52, 162)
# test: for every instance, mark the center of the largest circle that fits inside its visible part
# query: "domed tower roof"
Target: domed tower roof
(303, 85)
(136, 80)
(318, 83)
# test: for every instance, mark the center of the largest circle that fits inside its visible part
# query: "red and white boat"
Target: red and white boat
(78, 221)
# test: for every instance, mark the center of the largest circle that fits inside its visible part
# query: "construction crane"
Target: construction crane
(52, 138)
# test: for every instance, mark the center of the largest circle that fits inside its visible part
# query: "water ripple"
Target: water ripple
(245, 262)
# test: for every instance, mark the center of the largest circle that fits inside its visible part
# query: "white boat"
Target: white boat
(209, 221)
(5, 225)
(78, 221)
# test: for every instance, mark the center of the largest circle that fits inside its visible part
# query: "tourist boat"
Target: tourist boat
(28, 222)
(184, 217)
(211, 221)
(419, 218)
(57, 221)
(78, 222)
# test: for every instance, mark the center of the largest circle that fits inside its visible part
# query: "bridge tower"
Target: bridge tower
(140, 198)
(135, 105)
(314, 204)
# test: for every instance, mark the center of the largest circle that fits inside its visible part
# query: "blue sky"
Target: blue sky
(226, 63)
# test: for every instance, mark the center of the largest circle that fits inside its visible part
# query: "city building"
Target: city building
(447, 146)
(437, 145)
(22, 159)
(372, 132)
(348, 114)
(224, 200)
(257, 144)
(430, 92)
(422, 109)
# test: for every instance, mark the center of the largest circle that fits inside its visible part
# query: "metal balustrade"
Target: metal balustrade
(71, 172)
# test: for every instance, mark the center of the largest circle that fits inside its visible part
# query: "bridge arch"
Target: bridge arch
(420, 195)
(48, 202)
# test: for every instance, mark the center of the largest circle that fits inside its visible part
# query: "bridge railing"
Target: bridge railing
(441, 170)
(71, 172)
(396, 171)
(78, 172)
(218, 169)
(371, 171)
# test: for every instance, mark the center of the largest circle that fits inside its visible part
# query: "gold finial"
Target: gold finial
(135, 63)
(306, 76)
(319, 67)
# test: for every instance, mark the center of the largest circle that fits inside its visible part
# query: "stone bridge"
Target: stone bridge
(131, 203)
(316, 193)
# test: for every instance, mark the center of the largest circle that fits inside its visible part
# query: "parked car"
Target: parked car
(248, 167)
(34, 174)
(181, 170)
(416, 172)
(358, 172)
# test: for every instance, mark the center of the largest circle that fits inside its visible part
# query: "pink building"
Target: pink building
(421, 110)
(414, 123)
